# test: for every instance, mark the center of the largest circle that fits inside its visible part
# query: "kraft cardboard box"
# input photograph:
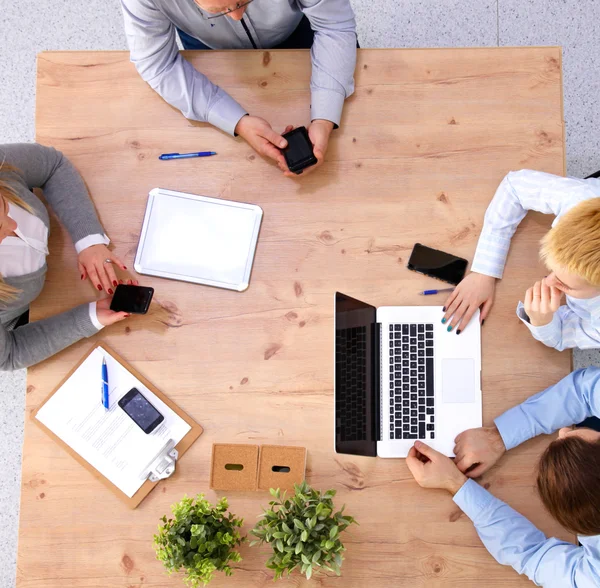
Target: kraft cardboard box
(250, 467)
(234, 467)
(281, 467)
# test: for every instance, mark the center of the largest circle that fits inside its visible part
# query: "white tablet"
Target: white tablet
(198, 239)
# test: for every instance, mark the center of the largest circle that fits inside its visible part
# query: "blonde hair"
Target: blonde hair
(7, 192)
(574, 242)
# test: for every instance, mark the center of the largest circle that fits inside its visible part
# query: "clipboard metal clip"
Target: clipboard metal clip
(163, 465)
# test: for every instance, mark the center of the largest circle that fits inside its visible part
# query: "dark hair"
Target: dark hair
(568, 482)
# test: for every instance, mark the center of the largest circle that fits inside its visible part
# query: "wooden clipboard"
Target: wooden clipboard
(147, 486)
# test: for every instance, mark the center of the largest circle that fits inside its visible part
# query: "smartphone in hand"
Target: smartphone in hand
(132, 299)
(299, 151)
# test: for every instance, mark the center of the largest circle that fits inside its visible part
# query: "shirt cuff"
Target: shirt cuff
(226, 114)
(89, 241)
(327, 105)
(513, 426)
(547, 334)
(473, 500)
(94, 316)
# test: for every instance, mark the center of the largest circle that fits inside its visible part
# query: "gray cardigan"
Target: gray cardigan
(64, 190)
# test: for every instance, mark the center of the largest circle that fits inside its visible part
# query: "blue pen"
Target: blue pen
(430, 292)
(166, 156)
(105, 403)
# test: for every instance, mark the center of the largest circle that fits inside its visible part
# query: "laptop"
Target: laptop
(401, 376)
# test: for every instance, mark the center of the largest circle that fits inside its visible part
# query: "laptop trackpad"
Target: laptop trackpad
(458, 382)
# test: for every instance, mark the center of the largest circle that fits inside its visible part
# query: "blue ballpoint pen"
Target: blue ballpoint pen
(105, 403)
(430, 292)
(166, 156)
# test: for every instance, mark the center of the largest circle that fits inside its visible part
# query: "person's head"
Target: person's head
(8, 225)
(568, 480)
(233, 10)
(571, 251)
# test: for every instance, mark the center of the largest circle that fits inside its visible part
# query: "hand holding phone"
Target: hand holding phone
(132, 299)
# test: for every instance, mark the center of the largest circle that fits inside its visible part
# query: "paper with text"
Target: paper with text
(108, 440)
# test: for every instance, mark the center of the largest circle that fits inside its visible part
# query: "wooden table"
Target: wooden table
(424, 142)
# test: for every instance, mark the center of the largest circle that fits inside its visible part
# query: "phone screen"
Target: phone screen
(134, 299)
(437, 264)
(141, 412)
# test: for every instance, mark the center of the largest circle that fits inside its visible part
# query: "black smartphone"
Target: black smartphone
(141, 412)
(135, 299)
(437, 264)
(299, 151)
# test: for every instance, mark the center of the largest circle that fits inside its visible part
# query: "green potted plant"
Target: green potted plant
(199, 540)
(303, 531)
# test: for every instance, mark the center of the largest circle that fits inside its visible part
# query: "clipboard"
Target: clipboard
(187, 441)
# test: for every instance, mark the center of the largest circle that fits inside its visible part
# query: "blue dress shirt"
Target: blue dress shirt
(508, 536)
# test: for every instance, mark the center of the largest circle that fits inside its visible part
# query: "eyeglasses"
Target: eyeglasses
(209, 15)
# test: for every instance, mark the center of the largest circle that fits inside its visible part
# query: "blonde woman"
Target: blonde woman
(570, 250)
(24, 228)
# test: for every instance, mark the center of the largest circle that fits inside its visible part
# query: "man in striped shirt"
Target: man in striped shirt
(327, 27)
(571, 251)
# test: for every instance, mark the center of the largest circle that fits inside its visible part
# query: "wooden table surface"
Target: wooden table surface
(423, 144)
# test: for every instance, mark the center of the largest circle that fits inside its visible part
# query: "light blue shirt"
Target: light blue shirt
(578, 323)
(150, 27)
(511, 538)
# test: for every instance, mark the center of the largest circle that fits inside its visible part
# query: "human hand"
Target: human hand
(257, 132)
(318, 133)
(93, 265)
(541, 302)
(481, 447)
(431, 469)
(475, 291)
(105, 315)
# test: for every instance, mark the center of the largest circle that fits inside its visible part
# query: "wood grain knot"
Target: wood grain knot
(272, 350)
(36, 482)
(251, 157)
(460, 235)
(369, 91)
(452, 121)
(244, 381)
(443, 198)
(266, 59)
(543, 139)
(487, 485)
(301, 324)
(126, 564)
(298, 289)
(358, 165)
(263, 84)
(135, 144)
(291, 316)
(365, 66)
(435, 566)
(325, 237)
(454, 516)
(30, 389)
(553, 64)
(354, 139)
(141, 156)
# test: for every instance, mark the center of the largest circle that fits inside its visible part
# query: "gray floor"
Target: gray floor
(30, 26)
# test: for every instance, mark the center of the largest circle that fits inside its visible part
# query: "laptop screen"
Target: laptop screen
(356, 388)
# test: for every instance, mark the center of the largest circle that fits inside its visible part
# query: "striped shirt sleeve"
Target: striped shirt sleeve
(518, 193)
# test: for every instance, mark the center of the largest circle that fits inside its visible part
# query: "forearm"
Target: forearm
(565, 331)
(37, 341)
(333, 56)
(64, 189)
(513, 540)
(572, 400)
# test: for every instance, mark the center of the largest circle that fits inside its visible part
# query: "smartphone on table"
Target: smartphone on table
(437, 264)
(140, 411)
(133, 299)
(299, 151)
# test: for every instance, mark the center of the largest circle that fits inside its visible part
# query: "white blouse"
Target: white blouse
(26, 253)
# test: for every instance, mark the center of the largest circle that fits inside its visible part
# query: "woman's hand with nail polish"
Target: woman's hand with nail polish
(105, 315)
(475, 291)
(93, 265)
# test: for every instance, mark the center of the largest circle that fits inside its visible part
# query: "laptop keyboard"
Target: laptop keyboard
(412, 406)
(351, 376)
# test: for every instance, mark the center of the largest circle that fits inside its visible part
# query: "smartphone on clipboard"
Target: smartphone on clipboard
(140, 411)
(437, 264)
